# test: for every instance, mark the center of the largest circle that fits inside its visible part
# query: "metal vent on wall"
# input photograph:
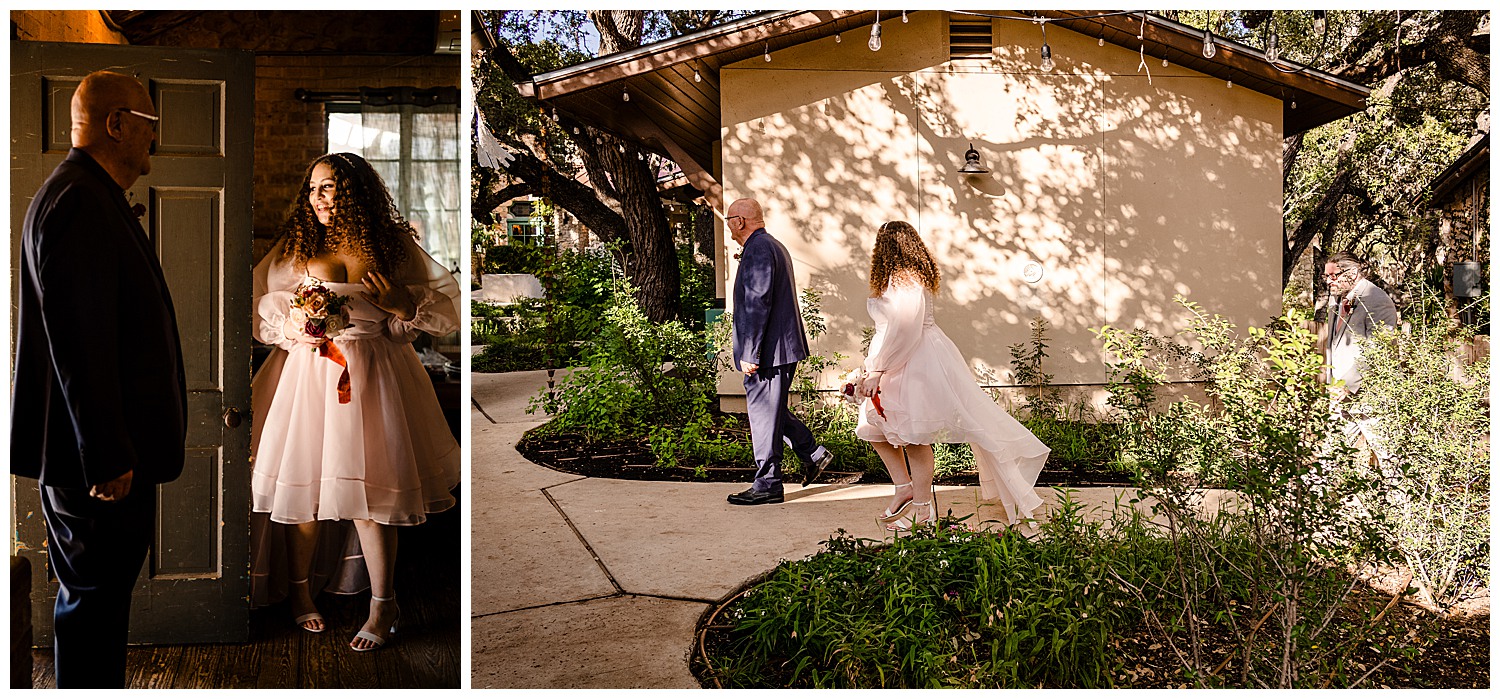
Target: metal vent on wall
(970, 37)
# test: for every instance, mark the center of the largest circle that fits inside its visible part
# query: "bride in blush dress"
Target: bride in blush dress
(918, 390)
(362, 439)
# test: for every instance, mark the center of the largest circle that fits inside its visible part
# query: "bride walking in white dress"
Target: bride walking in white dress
(918, 391)
(347, 425)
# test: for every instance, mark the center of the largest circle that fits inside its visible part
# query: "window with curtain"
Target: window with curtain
(415, 150)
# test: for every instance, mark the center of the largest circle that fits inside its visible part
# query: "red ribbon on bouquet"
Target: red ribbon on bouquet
(331, 351)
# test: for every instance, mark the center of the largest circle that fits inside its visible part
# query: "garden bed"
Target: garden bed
(865, 627)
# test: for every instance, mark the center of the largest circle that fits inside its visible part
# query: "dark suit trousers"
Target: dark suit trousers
(96, 550)
(766, 393)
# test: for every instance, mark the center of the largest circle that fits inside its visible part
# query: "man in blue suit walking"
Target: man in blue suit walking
(769, 340)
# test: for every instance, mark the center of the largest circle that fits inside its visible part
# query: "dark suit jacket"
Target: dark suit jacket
(99, 387)
(767, 324)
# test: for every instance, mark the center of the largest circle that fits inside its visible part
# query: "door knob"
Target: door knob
(232, 417)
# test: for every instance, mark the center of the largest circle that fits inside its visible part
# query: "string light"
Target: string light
(697, 77)
(1320, 21)
(838, 38)
(1165, 63)
(1047, 62)
(625, 94)
(875, 33)
(903, 17)
(1209, 50)
(768, 52)
(1229, 84)
(1272, 52)
(1101, 41)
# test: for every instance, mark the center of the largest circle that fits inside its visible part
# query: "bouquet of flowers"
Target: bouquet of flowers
(319, 312)
(323, 315)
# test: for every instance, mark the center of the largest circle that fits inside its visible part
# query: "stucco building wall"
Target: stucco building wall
(1125, 189)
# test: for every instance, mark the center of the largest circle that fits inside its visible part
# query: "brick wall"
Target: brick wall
(75, 26)
(290, 133)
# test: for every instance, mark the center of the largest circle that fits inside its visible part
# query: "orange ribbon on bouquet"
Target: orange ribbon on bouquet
(331, 351)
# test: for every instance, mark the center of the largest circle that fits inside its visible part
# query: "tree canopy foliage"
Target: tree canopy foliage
(607, 183)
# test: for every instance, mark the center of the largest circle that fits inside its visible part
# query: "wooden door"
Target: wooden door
(194, 588)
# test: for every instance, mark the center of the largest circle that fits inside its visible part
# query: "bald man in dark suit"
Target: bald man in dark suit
(769, 340)
(99, 402)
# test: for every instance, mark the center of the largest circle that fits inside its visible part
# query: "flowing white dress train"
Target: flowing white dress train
(929, 396)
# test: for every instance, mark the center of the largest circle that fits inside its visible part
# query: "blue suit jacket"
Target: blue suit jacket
(99, 386)
(767, 324)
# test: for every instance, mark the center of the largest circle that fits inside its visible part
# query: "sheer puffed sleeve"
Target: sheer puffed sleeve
(905, 308)
(275, 279)
(434, 290)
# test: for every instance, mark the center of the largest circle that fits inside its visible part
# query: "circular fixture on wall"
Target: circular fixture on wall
(1031, 271)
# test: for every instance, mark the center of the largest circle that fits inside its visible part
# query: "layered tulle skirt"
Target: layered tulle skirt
(386, 455)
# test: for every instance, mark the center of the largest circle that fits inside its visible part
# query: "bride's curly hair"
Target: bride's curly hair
(365, 220)
(901, 254)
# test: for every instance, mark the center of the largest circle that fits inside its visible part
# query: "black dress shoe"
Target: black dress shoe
(756, 497)
(816, 468)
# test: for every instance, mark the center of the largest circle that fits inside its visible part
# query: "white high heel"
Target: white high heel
(371, 637)
(889, 517)
(906, 524)
(302, 621)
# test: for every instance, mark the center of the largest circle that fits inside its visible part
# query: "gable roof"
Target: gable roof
(677, 115)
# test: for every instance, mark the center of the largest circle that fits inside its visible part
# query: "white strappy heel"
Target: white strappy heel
(303, 621)
(371, 637)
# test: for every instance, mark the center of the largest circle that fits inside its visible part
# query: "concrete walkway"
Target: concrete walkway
(599, 583)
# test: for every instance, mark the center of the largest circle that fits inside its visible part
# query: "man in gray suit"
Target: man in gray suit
(1355, 306)
(769, 340)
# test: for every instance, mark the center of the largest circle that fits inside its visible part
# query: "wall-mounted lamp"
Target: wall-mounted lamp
(971, 163)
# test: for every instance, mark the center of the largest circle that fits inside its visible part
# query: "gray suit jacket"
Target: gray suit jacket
(1368, 305)
(767, 324)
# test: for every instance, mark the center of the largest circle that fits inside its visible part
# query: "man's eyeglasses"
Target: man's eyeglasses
(1338, 275)
(731, 218)
(148, 117)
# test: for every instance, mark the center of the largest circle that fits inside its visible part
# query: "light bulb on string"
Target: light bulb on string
(768, 52)
(903, 17)
(838, 38)
(1272, 52)
(1229, 84)
(625, 94)
(1294, 104)
(1209, 49)
(1320, 20)
(1165, 63)
(1101, 41)
(875, 33)
(697, 77)
(1047, 63)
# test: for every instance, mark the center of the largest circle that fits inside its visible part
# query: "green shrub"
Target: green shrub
(1432, 419)
(945, 606)
(624, 389)
(1296, 519)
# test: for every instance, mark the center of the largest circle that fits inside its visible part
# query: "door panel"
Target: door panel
(198, 197)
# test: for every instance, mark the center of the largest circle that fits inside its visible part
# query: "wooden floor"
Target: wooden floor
(423, 654)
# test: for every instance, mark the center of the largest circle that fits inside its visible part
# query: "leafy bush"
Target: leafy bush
(624, 389)
(1296, 518)
(946, 606)
(1432, 420)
